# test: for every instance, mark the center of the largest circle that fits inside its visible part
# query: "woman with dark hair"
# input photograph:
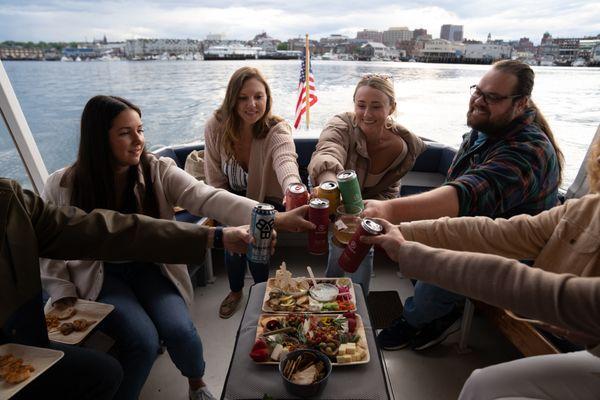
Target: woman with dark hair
(114, 171)
(250, 152)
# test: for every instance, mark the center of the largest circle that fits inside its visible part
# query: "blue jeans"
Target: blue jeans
(361, 276)
(82, 374)
(429, 303)
(148, 308)
(236, 268)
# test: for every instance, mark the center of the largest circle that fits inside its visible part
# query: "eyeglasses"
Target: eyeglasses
(385, 77)
(490, 98)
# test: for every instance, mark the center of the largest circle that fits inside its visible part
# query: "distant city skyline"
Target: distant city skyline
(68, 20)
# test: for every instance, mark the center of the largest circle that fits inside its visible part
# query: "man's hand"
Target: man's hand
(390, 240)
(294, 220)
(236, 239)
(376, 209)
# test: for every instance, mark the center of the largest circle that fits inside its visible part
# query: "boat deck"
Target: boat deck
(437, 373)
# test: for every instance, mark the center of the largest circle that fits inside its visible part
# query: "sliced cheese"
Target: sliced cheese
(277, 352)
(346, 358)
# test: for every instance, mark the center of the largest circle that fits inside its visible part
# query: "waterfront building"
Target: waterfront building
(370, 35)
(394, 35)
(265, 42)
(525, 44)
(377, 51)
(486, 52)
(329, 44)
(453, 33)
(20, 53)
(215, 37)
(141, 48)
(421, 33)
(80, 53)
(441, 50)
(299, 43)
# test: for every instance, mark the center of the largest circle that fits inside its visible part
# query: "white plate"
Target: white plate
(40, 358)
(270, 286)
(90, 310)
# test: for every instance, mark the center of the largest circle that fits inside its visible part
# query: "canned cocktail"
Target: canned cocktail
(350, 189)
(296, 195)
(330, 190)
(318, 214)
(261, 229)
(356, 250)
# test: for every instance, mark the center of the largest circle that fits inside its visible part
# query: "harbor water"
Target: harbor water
(177, 97)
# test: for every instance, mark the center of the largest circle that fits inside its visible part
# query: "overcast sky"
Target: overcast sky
(70, 20)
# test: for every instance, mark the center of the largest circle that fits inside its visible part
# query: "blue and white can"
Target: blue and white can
(261, 229)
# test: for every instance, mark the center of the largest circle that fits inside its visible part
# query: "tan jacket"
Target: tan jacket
(564, 243)
(342, 145)
(272, 167)
(29, 228)
(172, 187)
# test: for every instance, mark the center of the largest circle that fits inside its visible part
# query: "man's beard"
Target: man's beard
(492, 127)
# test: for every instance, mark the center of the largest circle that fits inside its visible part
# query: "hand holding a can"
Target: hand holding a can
(236, 239)
(294, 220)
(377, 209)
(390, 240)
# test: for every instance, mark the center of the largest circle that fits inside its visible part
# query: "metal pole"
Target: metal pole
(21, 134)
(307, 75)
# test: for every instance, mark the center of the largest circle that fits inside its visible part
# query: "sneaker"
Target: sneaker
(229, 305)
(201, 394)
(397, 336)
(436, 331)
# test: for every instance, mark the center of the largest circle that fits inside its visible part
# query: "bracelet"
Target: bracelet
(218, 238)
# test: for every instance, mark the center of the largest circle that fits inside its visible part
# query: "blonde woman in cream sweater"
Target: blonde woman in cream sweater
(250, 152)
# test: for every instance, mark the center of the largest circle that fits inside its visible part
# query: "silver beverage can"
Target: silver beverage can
(261, 229)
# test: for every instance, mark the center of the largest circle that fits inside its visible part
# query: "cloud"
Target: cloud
(55, 20)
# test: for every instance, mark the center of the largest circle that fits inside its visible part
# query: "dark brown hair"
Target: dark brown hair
(525, 79)
(228, 117)
(92, 176)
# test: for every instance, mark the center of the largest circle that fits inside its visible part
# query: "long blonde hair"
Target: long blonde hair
(228, 117)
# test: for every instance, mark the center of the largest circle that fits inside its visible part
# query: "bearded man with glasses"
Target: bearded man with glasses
(508, 164)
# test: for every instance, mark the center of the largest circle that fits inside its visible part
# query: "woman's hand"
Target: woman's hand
(294, 220)
(390, 240)
(236, 239)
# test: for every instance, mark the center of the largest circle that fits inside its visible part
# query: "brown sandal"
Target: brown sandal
(229, 305)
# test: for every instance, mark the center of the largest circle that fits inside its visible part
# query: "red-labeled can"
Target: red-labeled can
(296, 195)
(318, 214)
(356, 250)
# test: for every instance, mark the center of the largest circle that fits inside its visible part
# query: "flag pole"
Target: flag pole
(307, 75)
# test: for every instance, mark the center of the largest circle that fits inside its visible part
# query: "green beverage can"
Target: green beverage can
(350, 189)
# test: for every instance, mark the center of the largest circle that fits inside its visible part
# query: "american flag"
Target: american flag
(301, 105)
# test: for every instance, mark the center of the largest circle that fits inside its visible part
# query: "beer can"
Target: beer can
(261, 229)
(350, 189)
(318, 214)
(296, 195)
(356, 250)
(330, 190)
